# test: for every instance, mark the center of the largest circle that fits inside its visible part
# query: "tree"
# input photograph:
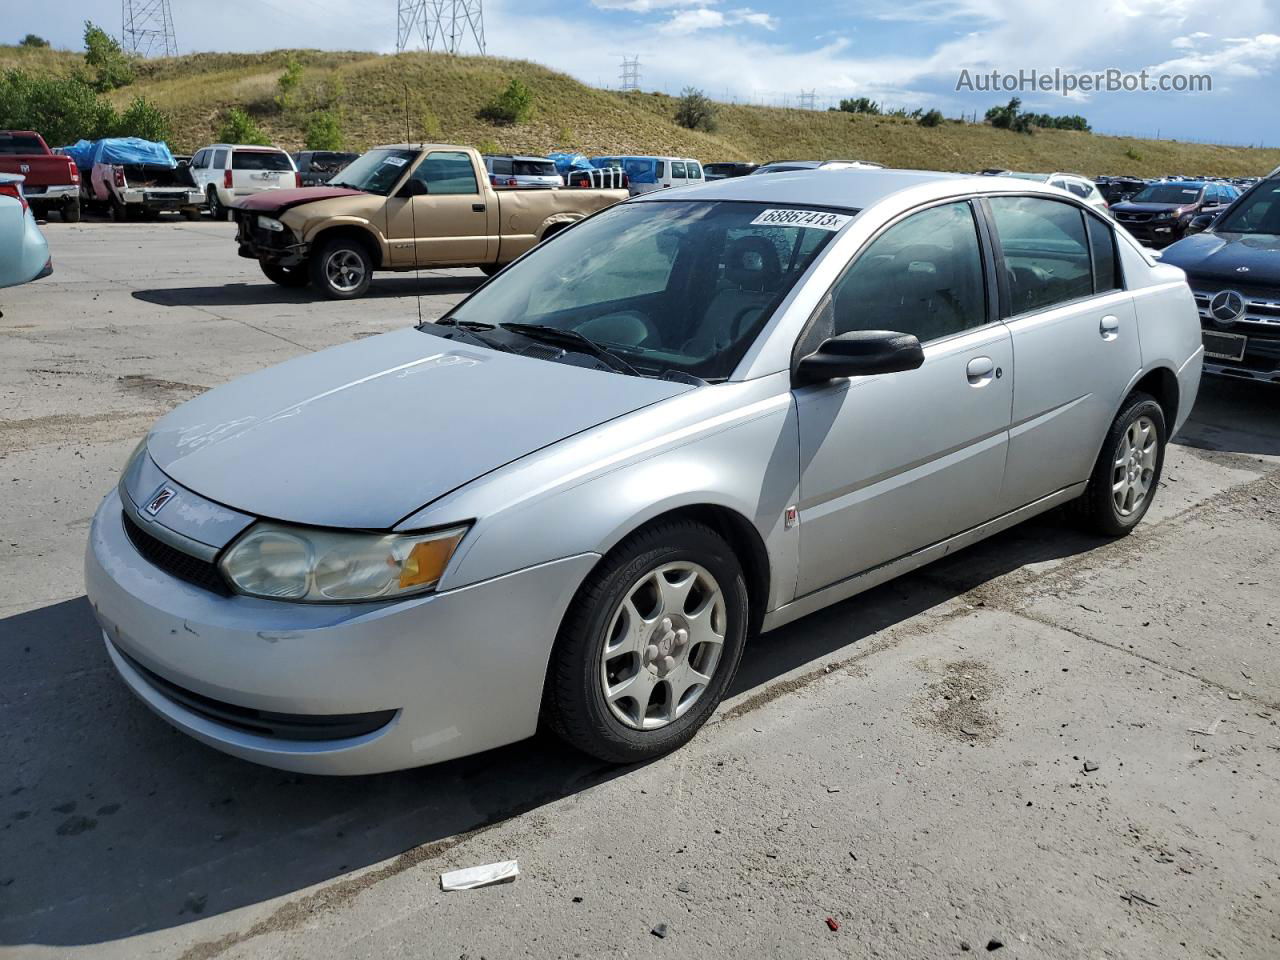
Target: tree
(31, 40)
(324, 131)
(144, 119)
(860, 105)
(931, 119)
(112, 67)
(288, 83)
(61, 109)
(513, 105)
(694, 111)
(238, 127)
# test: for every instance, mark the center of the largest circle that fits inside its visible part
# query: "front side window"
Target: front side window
(1046, 254)
(670, 286)
(1258, 212)
(447, 172)
(921, 276)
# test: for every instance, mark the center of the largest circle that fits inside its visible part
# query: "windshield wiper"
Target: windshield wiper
(572, 340)
(471, 328)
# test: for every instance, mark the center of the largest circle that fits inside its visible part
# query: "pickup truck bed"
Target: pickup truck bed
(51, 180)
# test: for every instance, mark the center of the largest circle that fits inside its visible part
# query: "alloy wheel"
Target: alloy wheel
(345, 270)
(1134, 465)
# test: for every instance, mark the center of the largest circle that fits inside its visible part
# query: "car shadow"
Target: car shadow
(266, 293)
(1234, 416)
(114, 824)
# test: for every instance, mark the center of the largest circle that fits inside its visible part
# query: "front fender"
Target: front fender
(309, 231)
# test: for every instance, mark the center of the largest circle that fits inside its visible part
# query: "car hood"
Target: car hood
(1129, 207)
(1221, 256)
(364, 434)
(273, 201)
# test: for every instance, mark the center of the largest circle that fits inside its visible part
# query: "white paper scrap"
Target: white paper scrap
(468, 879)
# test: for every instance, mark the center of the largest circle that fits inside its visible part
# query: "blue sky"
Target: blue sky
(899, 52)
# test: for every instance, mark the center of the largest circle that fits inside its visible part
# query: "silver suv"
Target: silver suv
(506, 170)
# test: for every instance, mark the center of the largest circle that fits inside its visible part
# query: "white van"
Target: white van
(646, 174)
(225, 171)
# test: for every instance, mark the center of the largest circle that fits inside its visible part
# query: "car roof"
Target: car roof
(853, 188)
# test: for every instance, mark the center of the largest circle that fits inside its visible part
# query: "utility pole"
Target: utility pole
(630, 75)
(146, 28)
(807, 99)
(444, 25)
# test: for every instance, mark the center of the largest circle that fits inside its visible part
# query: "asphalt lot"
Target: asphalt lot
(911, 762)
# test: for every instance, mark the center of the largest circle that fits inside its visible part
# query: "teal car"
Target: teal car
(24, 253)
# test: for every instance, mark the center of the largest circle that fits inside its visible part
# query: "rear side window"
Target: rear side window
(447, 172)
(533, 168)
(921, 276)
(695, 172)
(677, 170)
(1046, 254)
(1102, 243)
(260, 160)
(220, 159)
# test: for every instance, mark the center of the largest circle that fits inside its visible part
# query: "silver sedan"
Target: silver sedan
(689, 419)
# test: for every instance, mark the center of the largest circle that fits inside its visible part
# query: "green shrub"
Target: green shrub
(238, 127)
(931, 119)
(112, 67)
(860, 105)
(60, 109)
(513, 105)
(31, 40)
(694, 111)
(144, 119)
(324, 131)
(430, 125)
(288, 84)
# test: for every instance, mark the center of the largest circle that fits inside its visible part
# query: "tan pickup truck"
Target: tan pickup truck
(401, 207)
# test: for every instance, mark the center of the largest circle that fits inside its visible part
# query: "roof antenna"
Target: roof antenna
(413, 210)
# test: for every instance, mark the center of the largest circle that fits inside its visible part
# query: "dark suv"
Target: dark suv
(317, 166)
(723, 171)
(1234, 270)
(1159, 213)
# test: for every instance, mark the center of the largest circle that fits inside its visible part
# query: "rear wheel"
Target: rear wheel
(216, 209)
(191, 213)
(649, 645)
(341, 268)
(489, 269)
(118, 212)
(1127, 472)
(285, 276)
(70, 210)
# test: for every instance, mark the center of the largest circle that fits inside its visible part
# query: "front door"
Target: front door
(895, 462)
(450, 223)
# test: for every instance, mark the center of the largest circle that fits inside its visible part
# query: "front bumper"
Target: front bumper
(455, 672)
(1259, 327)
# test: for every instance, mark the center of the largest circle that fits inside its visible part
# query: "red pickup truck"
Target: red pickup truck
(52, 180)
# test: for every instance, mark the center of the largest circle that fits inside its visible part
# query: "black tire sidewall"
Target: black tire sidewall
(216, 209)
(285, 276)
(320, 276)
(582, 716)
(70, 211)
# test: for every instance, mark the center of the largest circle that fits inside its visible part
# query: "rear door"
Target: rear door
(253, 171)
(451, 223)
(895, 462)
(1075, 337)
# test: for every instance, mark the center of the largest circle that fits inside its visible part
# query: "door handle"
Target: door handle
(980, 371)
(1109, 327)
(477, 208)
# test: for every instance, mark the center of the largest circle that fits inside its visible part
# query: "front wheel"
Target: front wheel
(216, 209)
(341, 269)
(649, 645)
(1127, 472)
(285, 276)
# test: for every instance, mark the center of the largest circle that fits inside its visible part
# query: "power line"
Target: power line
(146, 28)
(807, 99)
(630, 75)
(445, 25)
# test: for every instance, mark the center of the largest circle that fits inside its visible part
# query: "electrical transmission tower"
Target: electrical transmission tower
(807, 98)
(442, 25)
(630, 75)
(146, 28)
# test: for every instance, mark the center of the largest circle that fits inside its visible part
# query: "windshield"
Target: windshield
(779, 168)
(669, 286)
(1037, 177)
(20, 144)
(1258, 212)
(260, 160)
(1168, 193)
(376, 171)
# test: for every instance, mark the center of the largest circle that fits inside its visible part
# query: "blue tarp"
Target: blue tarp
(569, 161)
(638, 169)
(119, 150)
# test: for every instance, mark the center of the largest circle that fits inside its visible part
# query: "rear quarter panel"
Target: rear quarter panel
(524, 216)
(1169, 328)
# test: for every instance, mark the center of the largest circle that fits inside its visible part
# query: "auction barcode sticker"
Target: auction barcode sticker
(817, 219)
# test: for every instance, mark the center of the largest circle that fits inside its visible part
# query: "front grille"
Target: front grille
(265, 723)
(193, 570)
(1134, 217)
(1262, 309)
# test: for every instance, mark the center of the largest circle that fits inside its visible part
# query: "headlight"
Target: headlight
(318, 566)
(1164, 215)
(268, 223)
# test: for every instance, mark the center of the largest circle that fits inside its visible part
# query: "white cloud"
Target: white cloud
(691, 21)
(648, 6)
(1236, 57)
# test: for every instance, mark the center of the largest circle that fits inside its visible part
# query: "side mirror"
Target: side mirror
(413, 188)
(860, 353)
(1201, 222)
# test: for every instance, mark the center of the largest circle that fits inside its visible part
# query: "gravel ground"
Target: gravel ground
(1045, 746)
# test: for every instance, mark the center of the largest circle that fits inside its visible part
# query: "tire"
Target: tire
(191, 213)
(70, 210)
(285, 276)
(489, 269)
(602, 642)
(341, 268)
(216, 209)
(1124, 482)
(118, 212)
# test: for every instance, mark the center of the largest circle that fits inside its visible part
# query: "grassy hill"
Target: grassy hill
(383, 98)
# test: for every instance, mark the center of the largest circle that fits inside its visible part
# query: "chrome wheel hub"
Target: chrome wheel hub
(663, 645)
(1134, 466)
(345, 270)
